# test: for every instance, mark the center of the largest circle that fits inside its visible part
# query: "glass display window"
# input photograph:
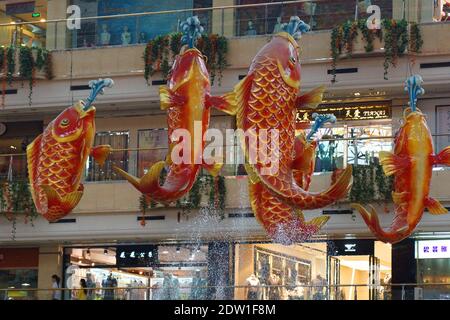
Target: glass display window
(118, 140)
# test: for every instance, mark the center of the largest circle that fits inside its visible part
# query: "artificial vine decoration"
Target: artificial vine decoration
(394, 34)
(395, 42)
(205, 186)
(369, 35)
(160, 52)
(415, 38)
(29, 61)
(370, 184)
(15, 199)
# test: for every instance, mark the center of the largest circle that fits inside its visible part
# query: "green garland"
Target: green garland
(15, 199)
(160, 51)
(11, 64)
(26, 68)
(205, 185)
(394, 33)
(395, 42)
(370, 184)
(415, 38)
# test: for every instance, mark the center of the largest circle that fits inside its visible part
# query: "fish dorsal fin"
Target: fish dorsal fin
(242, 92)
(33, 150)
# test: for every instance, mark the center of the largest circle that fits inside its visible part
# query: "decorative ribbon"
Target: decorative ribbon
(320, 120)
(97, 87)
(296, 27)
(192, 30)
(414, 87)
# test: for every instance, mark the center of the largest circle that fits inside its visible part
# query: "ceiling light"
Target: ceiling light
(93, 264)
(141, 272)
(43, 20)
(26, 284)
(105, 251)
(12, 22)
(178, 249)
(357, 94)
(165, 252)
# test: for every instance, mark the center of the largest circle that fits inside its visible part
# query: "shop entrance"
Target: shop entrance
(358, 270)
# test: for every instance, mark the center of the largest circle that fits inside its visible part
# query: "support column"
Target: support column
(50, 263)
(57, 32)
(219, 266)
(223, 22)
(404, 269)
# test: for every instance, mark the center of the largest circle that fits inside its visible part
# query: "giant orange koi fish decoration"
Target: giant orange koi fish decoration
(188, 102)
(267, 99)
(411, 164)
(57, 157)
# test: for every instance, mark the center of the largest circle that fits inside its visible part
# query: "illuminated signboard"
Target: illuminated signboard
(432, 249)
(349, 112)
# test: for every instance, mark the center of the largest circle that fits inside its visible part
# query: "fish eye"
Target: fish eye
(64, 122)
(292, 59)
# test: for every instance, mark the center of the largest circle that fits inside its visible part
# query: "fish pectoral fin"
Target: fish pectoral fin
(299, 214)
(443, 157)
(100, 153)
(311, 99)
(169, 99)
(392, 163)
(435, 207)
(400, 198)
(226, 103)
(69, 201)
(213, 169)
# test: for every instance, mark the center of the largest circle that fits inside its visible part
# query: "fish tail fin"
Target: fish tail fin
(443, 157)
(136, 182)
(57, 206)
(372, 221)
(435, 207)
(342, 185)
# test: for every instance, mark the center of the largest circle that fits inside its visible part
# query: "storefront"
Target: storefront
(340, 269)
(433, 269)
(18, 270)
(173, 272)
(351, 140)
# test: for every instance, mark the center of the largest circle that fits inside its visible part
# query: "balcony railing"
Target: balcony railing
(133, 28)
(422, 291)
(332, 153)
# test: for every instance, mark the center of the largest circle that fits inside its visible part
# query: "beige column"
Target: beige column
(57, 33)
(223, 20)
(50, 263)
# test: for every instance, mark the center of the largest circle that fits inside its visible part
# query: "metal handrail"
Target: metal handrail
(127, 15)
(319, 140)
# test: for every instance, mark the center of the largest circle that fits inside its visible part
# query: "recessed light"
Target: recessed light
(357, 94)
(165, 252)
(93, 264)
(43, 20)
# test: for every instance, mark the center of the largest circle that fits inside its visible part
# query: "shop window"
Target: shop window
(18, 279)
(118, 140)
(320, 15)
(178, 272)
(153, 145)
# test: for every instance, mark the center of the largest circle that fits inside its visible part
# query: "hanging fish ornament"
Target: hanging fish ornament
(267, 100)
(57, 158)
(411, 163)
(188, 101)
